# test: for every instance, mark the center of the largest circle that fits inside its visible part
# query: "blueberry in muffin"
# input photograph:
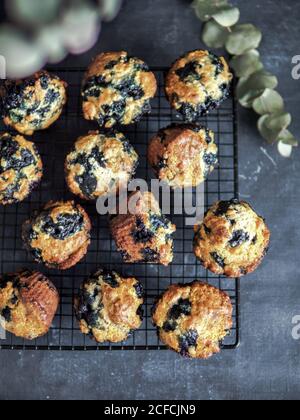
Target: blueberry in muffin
(99, 164)
(109, 307)
(34, 103)
(28, 304)
(232, 240)
(117, 89)
(59, 235)
(197, 83)
(143, 235)
(193, 319)
(21, 168)
(183, 155)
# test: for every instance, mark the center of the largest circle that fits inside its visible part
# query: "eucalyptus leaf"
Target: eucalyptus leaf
(285, 149)
(272, 126)
(250, 88)
(22, 57)
(33, 11)
(81, 28)
(51, 40)
(246, 64)
(227, 16)
(287, 137)
(279, 121)
(243, 38)
(268, 103)
(205, 9)
(247, 93)
(214, 35)
(249, 97)
(109, 8)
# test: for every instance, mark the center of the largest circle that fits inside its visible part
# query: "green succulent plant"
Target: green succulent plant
(256, 86)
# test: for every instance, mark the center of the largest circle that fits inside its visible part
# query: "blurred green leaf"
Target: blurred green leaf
(227, 16)
(268, 103)
(109, 8)
(34, 12)
(22, 57)
(272, 126)
(205, 9)
(246, 64)
(243, 38)
(81, 28)
(51, 40)
(214, 35)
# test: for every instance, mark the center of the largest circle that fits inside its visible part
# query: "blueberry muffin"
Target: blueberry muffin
(28, 304)
(109, 307)
(183, 155)
(143, 235)
(193, 319)
(21, 168)
(59, 235)
(117, 89)
(99, 164)
(197, 83)
(232, 240)
(34, 103)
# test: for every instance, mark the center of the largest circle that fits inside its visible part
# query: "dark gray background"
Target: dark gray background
(267, 364)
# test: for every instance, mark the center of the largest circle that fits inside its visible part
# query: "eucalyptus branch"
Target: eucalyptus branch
(256, 86)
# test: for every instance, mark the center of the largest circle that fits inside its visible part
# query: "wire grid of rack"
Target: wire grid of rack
(54, 144)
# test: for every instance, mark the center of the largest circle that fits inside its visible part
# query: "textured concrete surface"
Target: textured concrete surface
(266, 365)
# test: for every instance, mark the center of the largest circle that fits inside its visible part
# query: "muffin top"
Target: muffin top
(34, 103)
(59, 235)
(183, 155)
(143, 235)
(28, 303)
(198, 82)
(21, 168)
(232, 239)
(99, 163)
(117, 89)
(192, 319)
(109, 307)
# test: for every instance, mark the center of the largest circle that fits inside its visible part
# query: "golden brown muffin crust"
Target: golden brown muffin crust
(99, 164)
(34, 103)
(109, 307)
(192, 319)
(232, 239)
(59, 235)
(183, 155)
(117, 89)
(28, 303)
(146, 235)
(197, 82)
(21, 168)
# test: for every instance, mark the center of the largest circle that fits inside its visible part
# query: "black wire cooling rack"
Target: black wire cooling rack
(54, 144)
